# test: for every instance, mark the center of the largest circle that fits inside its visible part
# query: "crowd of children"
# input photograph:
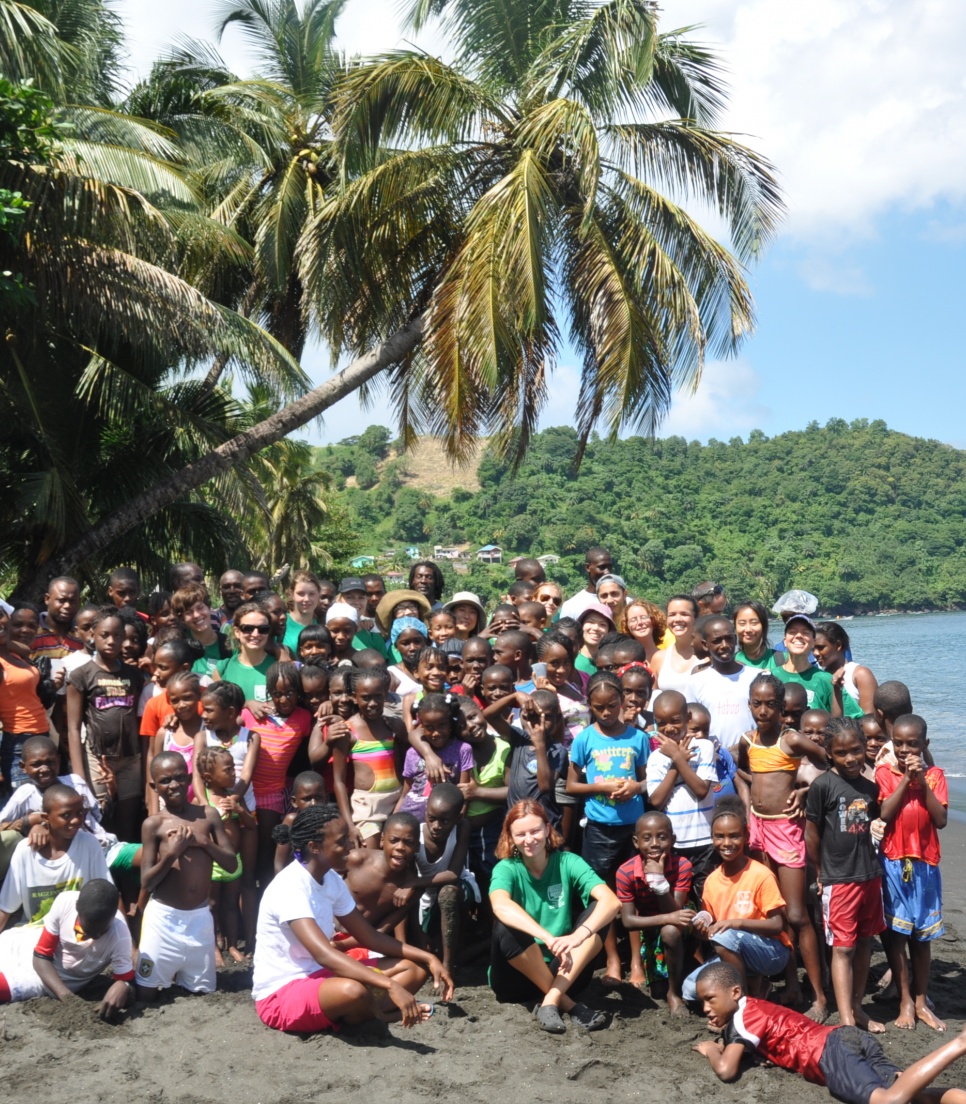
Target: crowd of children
(355, 777)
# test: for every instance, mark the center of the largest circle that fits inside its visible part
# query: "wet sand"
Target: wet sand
(196, 1050)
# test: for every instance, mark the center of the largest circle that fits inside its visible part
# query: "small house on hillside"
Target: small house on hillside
(490, 553)
(549, 559)
(412, 552)
(361, 562)
(454, 552)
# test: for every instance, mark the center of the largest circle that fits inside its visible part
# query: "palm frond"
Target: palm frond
(30, 48)
(694, 162)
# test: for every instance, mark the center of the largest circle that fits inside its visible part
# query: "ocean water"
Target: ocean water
(927, 652)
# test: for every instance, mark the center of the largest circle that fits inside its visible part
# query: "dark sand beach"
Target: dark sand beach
(192, 1050)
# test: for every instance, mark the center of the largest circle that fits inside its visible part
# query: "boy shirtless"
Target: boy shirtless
(180, 846)
(382, 881)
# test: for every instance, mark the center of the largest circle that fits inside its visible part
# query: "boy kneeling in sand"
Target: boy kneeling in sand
(82, 933)
(850, 1063)
(180, 846)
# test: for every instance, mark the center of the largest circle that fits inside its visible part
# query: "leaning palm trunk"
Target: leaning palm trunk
(394, 349)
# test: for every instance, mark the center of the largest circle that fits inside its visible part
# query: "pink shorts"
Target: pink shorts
(782, 839)
(274, 802)
(295, 1007)
(852, 911)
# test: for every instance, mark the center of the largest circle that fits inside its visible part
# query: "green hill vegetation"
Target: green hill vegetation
(863, 516)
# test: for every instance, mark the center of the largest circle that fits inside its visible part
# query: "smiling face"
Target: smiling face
(639, 623)
(671, 718)
(437, 727)
(424, 582)
(560, 668)
(466, 618)
(184, 700)
(799, 637)
(252, 631)
(342, 702)
(653, 837)
(906, 741)
(333, 847)
(305, 598)
(595, 627)
(475, 730)
(611, 594)
(728, 838)
(442, 627)
(24, 626)
(41, 766)
(496, 685)
(749, 630)
(217, 717)
(431, 673)
(65, 818)
(285, 697)
(847, 753)
(342, 630)
(529, 835)
(170, 779)
(549, 596)
(680, 620)
(198, 618)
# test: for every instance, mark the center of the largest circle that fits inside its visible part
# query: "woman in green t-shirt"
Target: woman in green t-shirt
(751, 628)
(540, 950)
(799, 641)
(249, 665)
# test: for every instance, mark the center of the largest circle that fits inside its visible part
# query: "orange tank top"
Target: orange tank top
(20, 708)
(763, 760)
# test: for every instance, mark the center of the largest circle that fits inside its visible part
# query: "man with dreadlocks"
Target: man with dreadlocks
(301, 982)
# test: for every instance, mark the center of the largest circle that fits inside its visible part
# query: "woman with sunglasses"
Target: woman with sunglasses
(249, 665)
(550, 596)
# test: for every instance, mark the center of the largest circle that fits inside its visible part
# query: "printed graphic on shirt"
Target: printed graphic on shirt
(854, 815)
(42, 897)
(744, 903)
(114, 694)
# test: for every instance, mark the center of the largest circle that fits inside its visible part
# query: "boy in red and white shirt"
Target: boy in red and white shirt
(82, 933)
(846, 1060)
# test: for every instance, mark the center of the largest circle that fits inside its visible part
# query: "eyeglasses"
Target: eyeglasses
(250, 630)
(713, 592)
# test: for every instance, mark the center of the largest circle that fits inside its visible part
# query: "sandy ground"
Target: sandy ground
(196, 1050)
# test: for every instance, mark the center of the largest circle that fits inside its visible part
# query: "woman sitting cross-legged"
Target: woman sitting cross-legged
(540, 950)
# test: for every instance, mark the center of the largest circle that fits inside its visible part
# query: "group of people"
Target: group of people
(359, 791)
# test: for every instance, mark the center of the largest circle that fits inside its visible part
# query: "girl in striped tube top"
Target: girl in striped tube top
(376, 747)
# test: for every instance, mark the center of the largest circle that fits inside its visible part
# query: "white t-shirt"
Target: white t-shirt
(28, 799)
(726, 699)
(72, 662)
(294, 895)
(33, 882)
(576, 605)
(75, 962)
(690, 817)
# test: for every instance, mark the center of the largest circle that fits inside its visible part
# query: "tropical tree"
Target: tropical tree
(538, 185)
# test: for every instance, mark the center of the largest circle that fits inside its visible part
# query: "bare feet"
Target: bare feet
(613, 976)
(863, 1020)
(237, 956)
(928, 1017)
(637, 978)
(818, 1012)
(677, 1007)
(907, 1016)
(219, 958)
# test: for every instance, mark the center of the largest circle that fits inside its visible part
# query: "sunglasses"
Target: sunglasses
(713, 592)
(553, 599)
(250, 630)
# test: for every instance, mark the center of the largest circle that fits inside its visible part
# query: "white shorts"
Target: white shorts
(16, 962)
(177, 946)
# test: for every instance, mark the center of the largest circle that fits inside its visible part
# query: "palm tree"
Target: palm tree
(536, 185)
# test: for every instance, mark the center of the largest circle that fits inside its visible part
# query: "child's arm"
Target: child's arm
(245, 818)
(815, 753)
(154, 869)
(217, 843)
(682, 763)
(436, 769)
(75, 715)
(406, 787)
(340, 756)
(407, 711)
(283, 851)
(675, 913)
(772, 924)
(725, 1060)
(517, 698)
(813, 845)
(197, 782)
(622, 789)
(248, 766)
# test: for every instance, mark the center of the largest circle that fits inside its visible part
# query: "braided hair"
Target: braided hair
(308, 826)
(444, 703)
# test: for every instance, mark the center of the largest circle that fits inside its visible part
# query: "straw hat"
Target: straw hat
(388, 602)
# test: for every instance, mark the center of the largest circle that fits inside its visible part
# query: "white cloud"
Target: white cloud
(860, 103)
(725, 404)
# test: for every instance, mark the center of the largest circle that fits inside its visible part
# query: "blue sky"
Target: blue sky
(862, 106)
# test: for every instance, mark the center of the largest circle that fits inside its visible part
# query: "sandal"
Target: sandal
(588, 1018)
(548, 1016)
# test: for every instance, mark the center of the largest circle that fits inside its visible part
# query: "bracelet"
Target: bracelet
(590, 930)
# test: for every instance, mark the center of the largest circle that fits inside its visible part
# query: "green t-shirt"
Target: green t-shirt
(550, 899)
(366, 639)
(291, 638)
(214, 654)
(490, 776)
(250, 679)
(818, 685)
(582, 663)
(763, 663)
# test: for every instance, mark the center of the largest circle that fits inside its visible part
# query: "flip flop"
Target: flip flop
(549, 1019)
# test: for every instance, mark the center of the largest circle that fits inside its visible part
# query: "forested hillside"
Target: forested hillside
(864, 517)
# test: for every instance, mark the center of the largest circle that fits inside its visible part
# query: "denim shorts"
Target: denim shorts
(761, 955)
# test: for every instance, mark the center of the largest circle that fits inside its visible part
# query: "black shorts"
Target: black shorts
(854, 1066)
(508, 984)
(606, 846)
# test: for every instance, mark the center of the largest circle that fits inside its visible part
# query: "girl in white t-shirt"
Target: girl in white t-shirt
(300, 981)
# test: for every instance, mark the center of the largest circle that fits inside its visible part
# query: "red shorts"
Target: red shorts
(852, 911)
(295, 1007)
(782, 839)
